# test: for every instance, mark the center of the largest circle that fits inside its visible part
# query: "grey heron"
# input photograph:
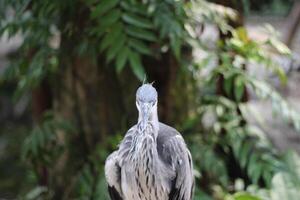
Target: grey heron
(152, 162)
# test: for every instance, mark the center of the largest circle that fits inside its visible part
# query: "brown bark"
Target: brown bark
(291, 24)
(41, 102)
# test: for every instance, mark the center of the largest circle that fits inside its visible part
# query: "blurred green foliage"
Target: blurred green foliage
(268, 7)
(233, 159)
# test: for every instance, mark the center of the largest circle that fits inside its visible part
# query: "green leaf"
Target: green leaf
(141, 33)
(267, 175)
(252, 166)
(136, 65)
(236, 147)
(48, 131)
(36, 193)
(256, 174)
(34, 142)
(39, 137)
(111, 37)
(244, 154)
(135, 8)
(138, 21)
(121, 59)
(239, 88)
(280, 47)
(42, 138)
(87, 175)
(109, 19)
(241, 33)
(228, 85)
(176, 46)
(115, 47)
(103, 7)
(66, 126)
(140, 46)
(245, 196)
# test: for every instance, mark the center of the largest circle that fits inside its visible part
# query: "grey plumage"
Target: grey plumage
(152, 161)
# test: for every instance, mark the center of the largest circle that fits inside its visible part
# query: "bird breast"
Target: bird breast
(141, 174)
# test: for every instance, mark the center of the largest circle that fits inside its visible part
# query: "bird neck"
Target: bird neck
(153, 120)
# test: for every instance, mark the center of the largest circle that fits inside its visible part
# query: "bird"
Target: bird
(152, 161)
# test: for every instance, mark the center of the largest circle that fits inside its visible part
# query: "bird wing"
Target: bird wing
(175, 152)
(113, 193)
(113, 166)
(113, 176)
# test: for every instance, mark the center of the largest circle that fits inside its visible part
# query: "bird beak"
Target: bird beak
(145, 111)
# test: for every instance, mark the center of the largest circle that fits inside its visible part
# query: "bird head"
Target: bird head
(146, 103)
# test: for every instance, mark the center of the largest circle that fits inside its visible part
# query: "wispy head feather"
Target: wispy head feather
(145, 79)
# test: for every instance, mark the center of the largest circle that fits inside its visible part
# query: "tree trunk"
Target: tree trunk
(41, 102)
(291, 24)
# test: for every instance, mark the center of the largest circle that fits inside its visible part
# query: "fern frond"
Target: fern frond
(126, 30)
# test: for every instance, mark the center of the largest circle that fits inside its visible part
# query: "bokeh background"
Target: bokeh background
(227, 73)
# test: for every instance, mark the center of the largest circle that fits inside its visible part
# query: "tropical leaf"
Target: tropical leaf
(239, 88)
(140, 46)
(109, 19)
(116, 47)
(110, 38)
(245, 196)
(136, 65)
(137, 21)
(137, 8)
(121, 59)
(141, 33)
(103, 7)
